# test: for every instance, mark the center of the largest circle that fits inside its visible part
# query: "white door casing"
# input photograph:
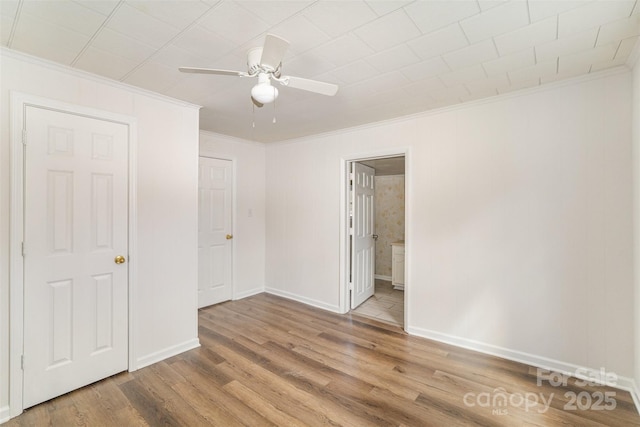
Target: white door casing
(75, 224)
(215, 231)
(363, 229)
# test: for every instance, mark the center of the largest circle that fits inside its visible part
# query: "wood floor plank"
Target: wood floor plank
(269, 361)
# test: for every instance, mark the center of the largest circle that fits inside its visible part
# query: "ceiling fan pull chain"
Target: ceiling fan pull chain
(253, 115)
(274, 105)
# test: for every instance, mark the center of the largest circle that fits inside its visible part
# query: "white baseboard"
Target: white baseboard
(382, 277)
(590, 374)
(635, 395)
(158, 356)
(5, 414)
(248, 293)
(304, 300)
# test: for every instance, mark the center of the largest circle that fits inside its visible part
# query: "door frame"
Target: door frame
(345, 162)
(18, 105)
(232, 159)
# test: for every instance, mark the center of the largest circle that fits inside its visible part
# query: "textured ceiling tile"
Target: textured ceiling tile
(450, 95)
(624, 50)
(336, 18)
(382, 7)
(424, 86)
(599, 54)
(541, 9)
(135, 24)
(489, 4)
(593, 15)
(5, 30)
(111, 41)
(479, 52)
(355, 72)
(234, 23)
(618, 30)
(362, 58)
(67, 14)
(343, 50)
(301, 33)
(104, 7)
(174, 56)
(427, 68)
(525, 58)
(463, 75)
(393, 59)
(379, 83)
(8, 8)
(274, 11)
(435, 14)
(46, 40)
(203, 43)
(307, 65)
(388, 31)
(179, 14)
(154, 76)
(197, 87)
(433, 44)
(541, 69)
(565, 45)
(105, 63)
(626, 47)
(529, 36)
(491, 83)
(496, 21)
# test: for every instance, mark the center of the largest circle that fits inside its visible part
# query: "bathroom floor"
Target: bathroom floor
(387, 304)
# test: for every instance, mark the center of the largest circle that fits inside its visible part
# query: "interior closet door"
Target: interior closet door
(215, 228)
(75, 252)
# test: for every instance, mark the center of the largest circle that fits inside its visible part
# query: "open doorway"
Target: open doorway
(384, 226)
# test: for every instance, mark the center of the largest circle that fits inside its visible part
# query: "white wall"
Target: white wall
(636, 212)
(249, 208)
(520, 216)
(167, 164)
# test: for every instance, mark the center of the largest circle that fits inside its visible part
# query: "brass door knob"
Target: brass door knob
(119, 259)
(229, 236)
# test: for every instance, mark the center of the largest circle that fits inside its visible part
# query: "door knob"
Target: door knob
(119, 259)
(229, 236)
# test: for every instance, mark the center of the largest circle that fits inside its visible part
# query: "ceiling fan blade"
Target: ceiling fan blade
(273, 51)
(256, 103)
(322, 88)
(212, 71)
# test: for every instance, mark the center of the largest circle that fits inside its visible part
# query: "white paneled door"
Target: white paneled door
(75, 252)
(363, 229)
(215, 230)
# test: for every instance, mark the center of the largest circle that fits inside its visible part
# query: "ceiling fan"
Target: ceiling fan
(266, 62)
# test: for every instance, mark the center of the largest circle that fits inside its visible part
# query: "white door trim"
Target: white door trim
(232, 159)
(18, 104)
(345, 302)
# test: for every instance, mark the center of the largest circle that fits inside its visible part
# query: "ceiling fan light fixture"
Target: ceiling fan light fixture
(264, 92)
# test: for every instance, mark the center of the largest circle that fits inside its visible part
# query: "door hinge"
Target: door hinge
(350, 286)
(22, 362)
(22, 249)
(24, 137)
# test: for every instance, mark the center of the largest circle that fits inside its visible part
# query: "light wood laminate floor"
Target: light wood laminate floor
(268, 361)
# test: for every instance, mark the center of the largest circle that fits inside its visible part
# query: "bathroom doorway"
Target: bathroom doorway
(386, 302)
